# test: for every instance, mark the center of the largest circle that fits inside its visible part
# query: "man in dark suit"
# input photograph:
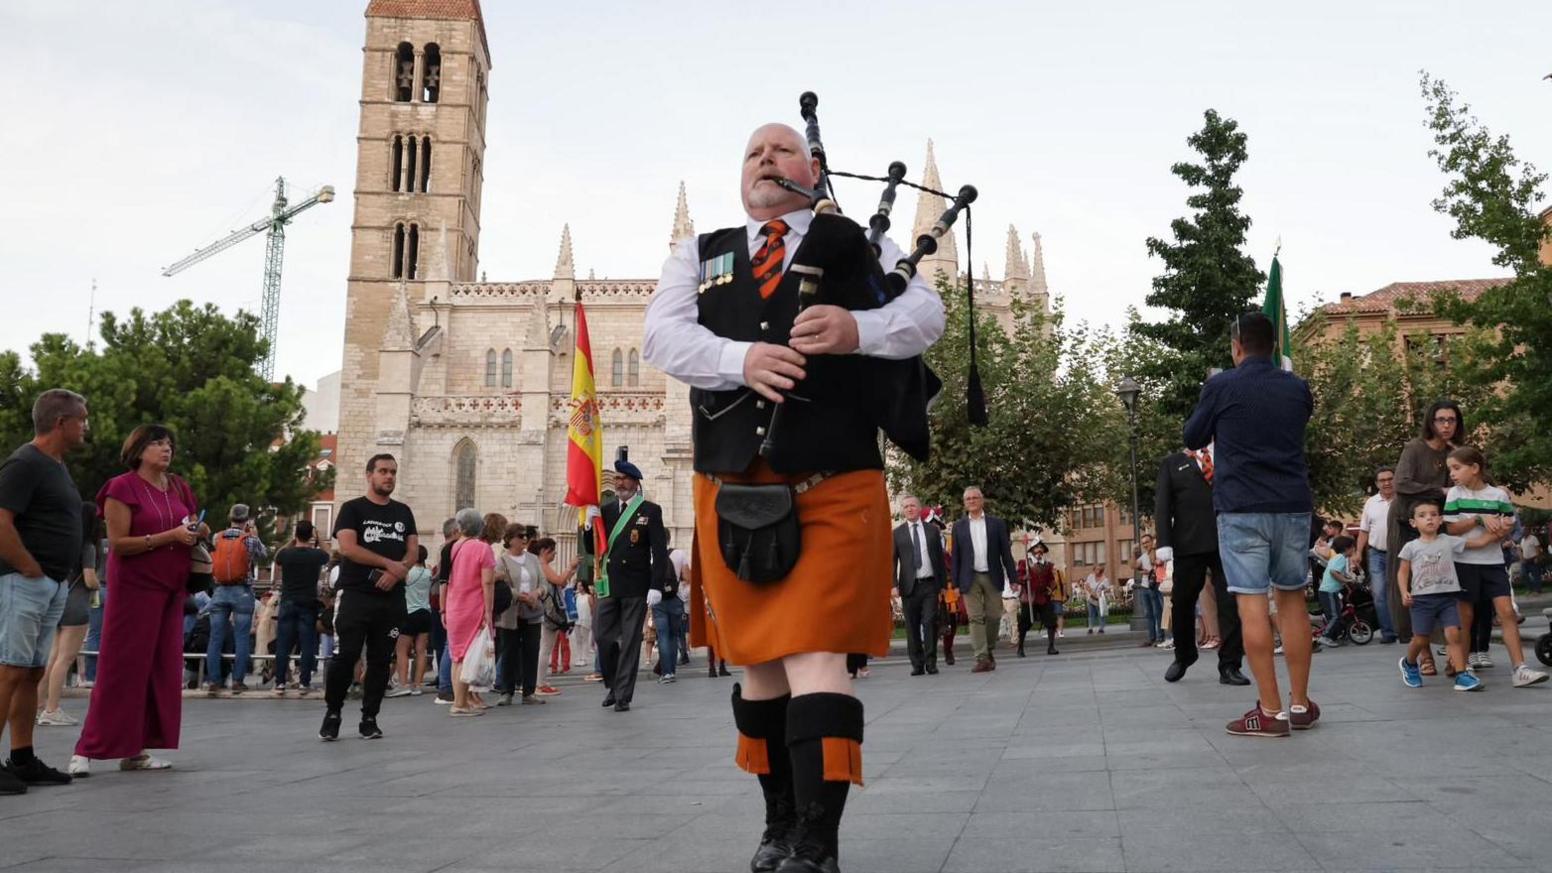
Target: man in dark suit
(983, 563)
(636, 560)
(1188, 535)
(920, 575)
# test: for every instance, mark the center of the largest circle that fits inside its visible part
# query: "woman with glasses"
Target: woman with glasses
(1420, 474)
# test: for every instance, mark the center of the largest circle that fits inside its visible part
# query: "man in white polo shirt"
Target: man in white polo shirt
(1371, 533)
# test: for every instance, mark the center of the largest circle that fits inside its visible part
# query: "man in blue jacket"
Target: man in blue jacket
(1254, 416)
(983, 562)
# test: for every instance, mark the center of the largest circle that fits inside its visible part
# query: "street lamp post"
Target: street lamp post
(1129, 391)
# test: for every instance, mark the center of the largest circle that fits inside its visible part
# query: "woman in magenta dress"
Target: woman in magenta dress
(471, 597)
(152, 518)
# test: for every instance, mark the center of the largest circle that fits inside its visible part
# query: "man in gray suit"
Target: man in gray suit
(983, 561)
(920, 574)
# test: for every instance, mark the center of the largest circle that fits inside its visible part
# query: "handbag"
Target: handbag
(201, 569)
(757, 531)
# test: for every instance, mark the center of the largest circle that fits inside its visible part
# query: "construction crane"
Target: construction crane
(275, 244)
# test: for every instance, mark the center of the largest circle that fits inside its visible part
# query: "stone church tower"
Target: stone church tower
(420, 149)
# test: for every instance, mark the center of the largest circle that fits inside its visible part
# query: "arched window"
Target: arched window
(617, 369)
(465, 461)
(633, 369)
(506, 369)
(403, 73)
(490, 369)
(412, 253)
(432, 83)
(396, 162)
(410, 150)
(425, 164)
(398, 251)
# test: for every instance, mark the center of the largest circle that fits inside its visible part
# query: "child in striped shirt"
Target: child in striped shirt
(1473, 504)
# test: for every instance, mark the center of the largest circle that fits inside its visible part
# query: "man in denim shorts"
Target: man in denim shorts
(1254, 416)
(40, 542)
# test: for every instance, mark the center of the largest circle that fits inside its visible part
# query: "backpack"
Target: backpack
(555, 609)
(230, 559)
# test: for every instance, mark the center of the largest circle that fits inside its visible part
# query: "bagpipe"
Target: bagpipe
(838, 264)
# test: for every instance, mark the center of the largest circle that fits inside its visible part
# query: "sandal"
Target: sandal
(1428, 668)
(457, 712)
(144, 762)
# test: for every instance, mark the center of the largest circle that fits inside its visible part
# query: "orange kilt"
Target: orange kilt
(835, 600)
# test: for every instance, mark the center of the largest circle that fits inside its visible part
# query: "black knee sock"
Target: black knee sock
(824, 734)
(762, 750)
(1050, 636)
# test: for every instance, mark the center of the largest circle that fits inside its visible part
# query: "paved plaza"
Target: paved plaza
(1084, 762)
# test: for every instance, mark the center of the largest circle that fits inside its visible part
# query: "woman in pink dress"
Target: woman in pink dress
(471, 598)
(152, 519)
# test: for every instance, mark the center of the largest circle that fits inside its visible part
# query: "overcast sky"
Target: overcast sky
(139, 131)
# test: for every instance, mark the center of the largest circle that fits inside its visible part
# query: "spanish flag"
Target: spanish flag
(585, 451)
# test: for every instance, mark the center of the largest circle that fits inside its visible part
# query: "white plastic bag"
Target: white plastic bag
(479, 662)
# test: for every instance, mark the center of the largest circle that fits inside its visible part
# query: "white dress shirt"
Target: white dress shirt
(920, 531)
(978, 544)
(676, 343)
(1376, 521)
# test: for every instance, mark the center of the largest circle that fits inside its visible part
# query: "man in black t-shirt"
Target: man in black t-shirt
(40, 540)
(377, 544)
(299, 563)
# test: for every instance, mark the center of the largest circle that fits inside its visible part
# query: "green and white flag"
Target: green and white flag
(1282, 347)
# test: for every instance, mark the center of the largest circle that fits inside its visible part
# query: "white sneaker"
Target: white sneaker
(1471, 661)
(1164, 644)
(441, 702)
(79, 767)
(1278, 650)
(144, 762)
(416, 692)
(1484, 659)
(56, 718)
(1524, 676)
(400, 691)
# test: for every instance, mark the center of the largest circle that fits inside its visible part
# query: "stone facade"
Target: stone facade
(467, 382)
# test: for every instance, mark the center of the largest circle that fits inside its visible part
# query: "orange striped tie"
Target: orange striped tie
(1205, 460)
(767, 261)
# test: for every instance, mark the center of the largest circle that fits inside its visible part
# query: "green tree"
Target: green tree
(191, 368)
(1207, 279)
(1492, 196)
(1136, 354)
(1046, 445)
(1371, 390)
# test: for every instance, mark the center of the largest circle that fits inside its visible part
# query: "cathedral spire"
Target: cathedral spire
(684, 228)
(1016, 267)
(1037, 269)
(929, 207)
(399, 335)
(564, 268)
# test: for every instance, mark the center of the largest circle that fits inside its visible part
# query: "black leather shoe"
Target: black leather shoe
(1176, 671)
(1231, 676)
(1021, 651)
(770, 855)
(815, 862)
(622, 706)
(932, 668)
(609, 701)
(722, 670)
(1051, 650)
(917, 671)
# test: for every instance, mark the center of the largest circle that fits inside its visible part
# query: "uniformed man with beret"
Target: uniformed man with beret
(636, 561)
(785, 598)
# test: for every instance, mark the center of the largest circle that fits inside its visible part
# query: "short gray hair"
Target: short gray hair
(470, 522)
(975, 488)
(51, 406)
(449, 527)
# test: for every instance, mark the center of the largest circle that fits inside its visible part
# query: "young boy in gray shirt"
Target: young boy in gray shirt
(1431, 589)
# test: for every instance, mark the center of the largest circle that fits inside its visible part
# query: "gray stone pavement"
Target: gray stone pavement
(1083, 762)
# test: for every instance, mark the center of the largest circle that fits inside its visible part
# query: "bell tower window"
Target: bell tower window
(396, 162)
(425, 164)
(403, 73)
(432, 84)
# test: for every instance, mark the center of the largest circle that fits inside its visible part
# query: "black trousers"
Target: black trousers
(921, 625)
(617, 628)
(370, 621)
(1190, 576)
(518, 649)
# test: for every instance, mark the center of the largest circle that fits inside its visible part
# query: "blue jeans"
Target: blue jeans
(1152, 604)
(94, 631)
(668, 618)
(1377, 567)
(1263, 549)
(1532, 576)
(1096, 619)
(296, 622)
(230, 605)
(1331, 605)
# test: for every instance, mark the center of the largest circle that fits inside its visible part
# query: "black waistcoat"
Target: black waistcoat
(825, 425)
